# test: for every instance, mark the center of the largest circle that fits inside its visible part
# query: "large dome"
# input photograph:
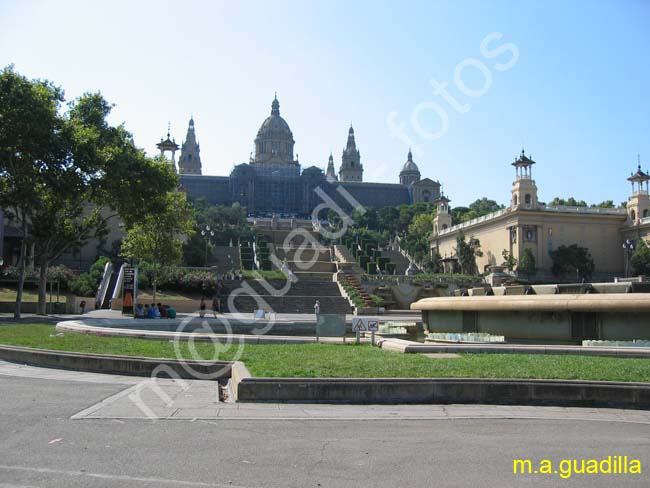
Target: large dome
(274, 139)
(410, 166)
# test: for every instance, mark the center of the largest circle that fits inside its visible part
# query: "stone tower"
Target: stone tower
(638, 205)
(190, 161)
(524, 190)
(170, 145)
(351, 169)
(410, 173)
(442, 220)
(331, 172)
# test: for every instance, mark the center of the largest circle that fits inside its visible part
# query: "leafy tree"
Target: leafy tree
(467, 252)
(640, 259)
(605, 204)
(527, 264)
(569, 202)
(157, 239)
(86, 172)
(478, 208)
(28, 151)
(422, 224)
(509, 261)
(570, 260)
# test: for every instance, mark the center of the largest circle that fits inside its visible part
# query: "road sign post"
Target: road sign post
(358, 324)
(373, 326)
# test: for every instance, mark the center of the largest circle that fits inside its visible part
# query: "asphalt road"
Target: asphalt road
(41, 446)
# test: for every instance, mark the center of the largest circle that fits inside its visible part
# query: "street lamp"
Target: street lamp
(628, 249)
(207, 233)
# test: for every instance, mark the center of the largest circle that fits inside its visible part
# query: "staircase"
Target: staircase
(300, 297)
(401, 262)
(223, 262)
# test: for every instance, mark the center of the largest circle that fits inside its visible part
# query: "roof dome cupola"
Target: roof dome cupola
(274, 142)
(410, 172)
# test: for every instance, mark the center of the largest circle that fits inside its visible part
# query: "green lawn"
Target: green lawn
(9, 295)
(342, 361)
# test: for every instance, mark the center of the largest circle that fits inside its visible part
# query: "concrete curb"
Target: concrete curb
(238, 373)
(123, 365)
(452, 390)
(408, 347)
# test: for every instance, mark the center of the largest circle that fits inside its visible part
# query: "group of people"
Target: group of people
(230, 275)
(154, 311)
(216, 306)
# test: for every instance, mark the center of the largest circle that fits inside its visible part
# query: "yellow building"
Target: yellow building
(527, 223)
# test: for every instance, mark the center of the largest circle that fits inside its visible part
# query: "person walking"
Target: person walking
(215, 306)
(202, 308)
(317, 309)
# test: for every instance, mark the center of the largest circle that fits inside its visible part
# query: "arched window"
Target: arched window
(444, 226)
(633, 215)
(189, 157)
(426, 195)
(514, 199)
(527, 199)
(645, 213)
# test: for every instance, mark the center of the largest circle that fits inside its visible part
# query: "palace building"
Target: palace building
(610, 234)
(274, 181)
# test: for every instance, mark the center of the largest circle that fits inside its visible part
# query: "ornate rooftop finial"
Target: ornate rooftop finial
(169, 125)
(410, 155)
(275, 106)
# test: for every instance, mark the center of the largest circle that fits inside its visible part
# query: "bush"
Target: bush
(377, 301)
(86, 284)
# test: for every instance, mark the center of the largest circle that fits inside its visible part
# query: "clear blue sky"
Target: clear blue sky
(576, 98)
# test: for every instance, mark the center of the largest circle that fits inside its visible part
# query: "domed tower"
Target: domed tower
(351, 169)
(410, 173)
(170, 145)
(524, 189)
(331, 172)
(638, 205)
(190, 161)
(274, 141)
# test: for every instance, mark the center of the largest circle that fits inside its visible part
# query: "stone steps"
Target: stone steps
(299, 288)
(288, 304)
(401, 263)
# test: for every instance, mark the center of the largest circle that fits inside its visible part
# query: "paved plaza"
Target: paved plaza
(71, 429)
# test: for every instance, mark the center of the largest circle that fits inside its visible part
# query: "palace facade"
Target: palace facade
(273, 180)
(610, 234)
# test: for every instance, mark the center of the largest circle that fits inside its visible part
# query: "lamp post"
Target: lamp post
(628, 249)
(207, 233)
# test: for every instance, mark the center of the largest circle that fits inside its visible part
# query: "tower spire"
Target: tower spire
(275, 105)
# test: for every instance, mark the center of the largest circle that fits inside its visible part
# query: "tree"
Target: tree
(527, 264)
(640, 259)
(605, 204)
(467, 252)
(28, 151)
(569, 202)
(76, 172)
(509, 261)
(478, 208)
(157, 239)
(573, 259)
(422, 224)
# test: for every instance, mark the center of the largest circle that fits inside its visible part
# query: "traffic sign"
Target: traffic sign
(358, 324)
(373, 325)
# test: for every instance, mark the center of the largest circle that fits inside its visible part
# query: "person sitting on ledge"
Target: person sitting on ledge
(162, 310)
(146, 312)
(152, 311)
(139, 311)
(171, 312)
